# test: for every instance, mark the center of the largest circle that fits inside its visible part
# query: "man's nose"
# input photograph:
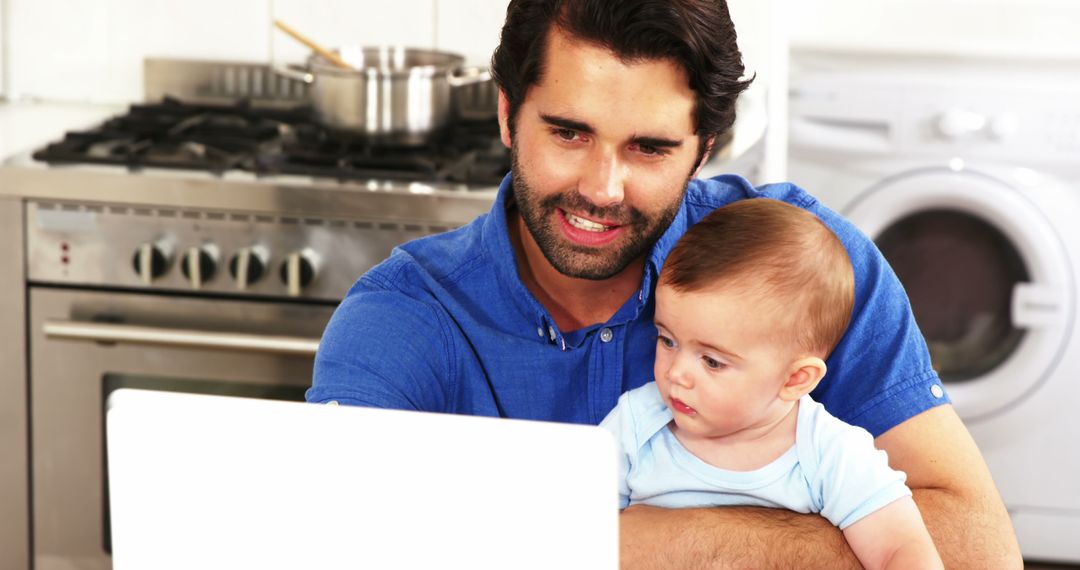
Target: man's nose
(602, 183)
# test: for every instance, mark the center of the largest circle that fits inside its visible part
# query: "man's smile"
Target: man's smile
(587, 224)
(588, 233)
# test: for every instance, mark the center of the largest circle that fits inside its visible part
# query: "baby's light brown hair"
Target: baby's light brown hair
(778, 251)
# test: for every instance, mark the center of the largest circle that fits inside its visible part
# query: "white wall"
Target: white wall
(4, 53)
(985, 28)
(92, 50)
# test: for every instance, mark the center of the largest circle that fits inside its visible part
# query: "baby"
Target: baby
(748, 306)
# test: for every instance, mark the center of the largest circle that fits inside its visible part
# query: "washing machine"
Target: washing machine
(966, 175)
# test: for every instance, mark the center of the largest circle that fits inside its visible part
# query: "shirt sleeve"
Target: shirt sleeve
(853, 478)
(384, 349)
(620, 423)
(880, 374)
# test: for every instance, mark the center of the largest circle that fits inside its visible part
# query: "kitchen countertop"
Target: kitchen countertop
(26, 125)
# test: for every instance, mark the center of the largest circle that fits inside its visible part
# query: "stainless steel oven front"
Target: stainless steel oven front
(163, 298)
(84, 344)
(164, 280)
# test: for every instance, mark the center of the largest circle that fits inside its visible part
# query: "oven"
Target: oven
(197, 242)
(85, 344)
(159, 297)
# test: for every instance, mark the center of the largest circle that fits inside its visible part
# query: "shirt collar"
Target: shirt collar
(497, 246)
(660, 251)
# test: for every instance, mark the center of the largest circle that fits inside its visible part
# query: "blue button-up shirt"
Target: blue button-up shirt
(445, 324)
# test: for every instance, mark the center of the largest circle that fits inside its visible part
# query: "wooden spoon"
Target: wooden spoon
(325, 53)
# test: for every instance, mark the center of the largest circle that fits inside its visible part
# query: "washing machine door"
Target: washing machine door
(987, 275)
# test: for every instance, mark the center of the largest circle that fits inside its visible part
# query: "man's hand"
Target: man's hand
(950, 481)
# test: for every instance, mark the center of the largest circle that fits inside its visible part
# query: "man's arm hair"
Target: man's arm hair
(730, 537)
(949, 480)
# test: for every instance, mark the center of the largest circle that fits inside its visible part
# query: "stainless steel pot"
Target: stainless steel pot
(477, 100)
(394, 94)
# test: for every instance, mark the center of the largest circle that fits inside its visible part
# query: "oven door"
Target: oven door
(85, 344)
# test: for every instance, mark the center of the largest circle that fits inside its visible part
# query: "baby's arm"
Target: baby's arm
(893, 537)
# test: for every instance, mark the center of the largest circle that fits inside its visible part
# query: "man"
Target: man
(543, 308)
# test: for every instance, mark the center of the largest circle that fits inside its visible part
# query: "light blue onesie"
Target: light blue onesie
(833, 468)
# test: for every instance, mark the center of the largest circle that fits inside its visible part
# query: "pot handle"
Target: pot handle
(463, 76)
(294, 74)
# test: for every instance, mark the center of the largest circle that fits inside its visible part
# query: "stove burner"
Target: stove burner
(267, 142)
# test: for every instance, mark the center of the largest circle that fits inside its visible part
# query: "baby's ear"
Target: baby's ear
(803, 375)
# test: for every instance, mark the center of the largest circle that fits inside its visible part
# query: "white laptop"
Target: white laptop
(220, 482)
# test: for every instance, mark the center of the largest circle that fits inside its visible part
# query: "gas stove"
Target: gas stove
(199, 240)
(224, 183)
(266, 142)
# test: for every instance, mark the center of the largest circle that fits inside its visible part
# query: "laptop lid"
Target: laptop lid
(201, 481)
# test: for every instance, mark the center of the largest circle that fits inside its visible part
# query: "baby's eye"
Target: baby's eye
(665, 341)
(712, 362)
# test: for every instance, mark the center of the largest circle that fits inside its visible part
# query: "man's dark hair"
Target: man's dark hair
(697, 34)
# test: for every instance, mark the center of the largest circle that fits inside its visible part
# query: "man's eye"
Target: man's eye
(651, 150)
(566, 134)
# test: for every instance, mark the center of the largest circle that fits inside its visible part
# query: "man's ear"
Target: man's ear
(705, 156)
(803, 376)
(504, 118)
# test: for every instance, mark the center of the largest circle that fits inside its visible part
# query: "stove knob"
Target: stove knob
(152, 260)
(299, 270)
(249, 265)
(200, 264)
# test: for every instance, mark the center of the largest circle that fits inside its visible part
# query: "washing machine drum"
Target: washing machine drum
(959, 272)
(987, 277)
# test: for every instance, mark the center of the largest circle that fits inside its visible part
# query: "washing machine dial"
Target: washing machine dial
(957, 123)
(1004, 126)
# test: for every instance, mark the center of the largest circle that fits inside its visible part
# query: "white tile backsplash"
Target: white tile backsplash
(92, 50)
(1000, 29)
(57, 47)
(470, 27)
(334, 23)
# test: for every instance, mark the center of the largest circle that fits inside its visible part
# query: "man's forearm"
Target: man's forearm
(730, 537)
(967, 533)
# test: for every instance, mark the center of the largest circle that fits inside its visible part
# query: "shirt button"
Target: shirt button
(937, 391)
(551, 333)
(540, 332)
(606, 335)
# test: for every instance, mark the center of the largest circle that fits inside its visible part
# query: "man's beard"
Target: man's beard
(573, 260)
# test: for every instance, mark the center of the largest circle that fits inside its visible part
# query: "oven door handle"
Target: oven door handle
(135, 334)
